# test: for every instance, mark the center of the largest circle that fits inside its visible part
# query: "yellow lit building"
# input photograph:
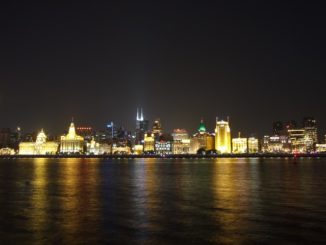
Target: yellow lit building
(181, 141)
(202, 140)
(96, 148)
(253, 146)
(39, 147)
(298, 140)
(7, 151)
(72, 143)
(222, 137)
(276, 144)
(93, 147)
(149, 142)
(321, 148)
(121, 150)
(239, 145)
(138, 149)
(181, 146)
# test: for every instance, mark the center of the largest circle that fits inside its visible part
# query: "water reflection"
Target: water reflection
(92, 201)
(145, 202)
(39, 200)
(79, 199)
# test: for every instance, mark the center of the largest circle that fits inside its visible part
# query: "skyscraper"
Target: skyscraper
(157, 129)
(310, 133)
(141, 127)
(222, 137)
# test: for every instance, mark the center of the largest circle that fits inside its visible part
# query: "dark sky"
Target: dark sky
(256, 62)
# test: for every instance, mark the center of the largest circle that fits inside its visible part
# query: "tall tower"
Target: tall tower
(222, 137)
(141, 126)
(311, 135)
(139, 118)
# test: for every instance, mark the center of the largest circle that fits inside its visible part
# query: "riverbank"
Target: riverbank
(190, 156)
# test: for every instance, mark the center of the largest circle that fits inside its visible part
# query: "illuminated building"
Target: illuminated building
(105, 148)
(157, 129)
(163, 147)
(310, 133)
(298, 140)
(239, 145)
(71, 143)
(138, 149)
(93, 147)
(202, 140)
(141, 127)
(253, 146)
(181, 142)
(7, 151)
(321, 148)
(149, 142)
(222, 137)
(39, 147)
(111, 131)
(121, 150)
(180, 134)
(96, 148)
(276, 144)
(181, 147)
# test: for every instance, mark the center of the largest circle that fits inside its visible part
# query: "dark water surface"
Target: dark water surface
(161, 201)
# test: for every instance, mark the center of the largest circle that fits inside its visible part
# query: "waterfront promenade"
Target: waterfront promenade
(172, 156)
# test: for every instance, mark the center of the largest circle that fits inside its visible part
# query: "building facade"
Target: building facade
(310, 133)
(276, 144)
(222, 137)
(149, 143)
(181, 141)
(298, 140)
(253, 145)
(71, 143)
(163, 147)
(39, 147)
(239, 145)
(202, 140)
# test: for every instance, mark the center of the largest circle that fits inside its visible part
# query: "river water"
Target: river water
(162, 201)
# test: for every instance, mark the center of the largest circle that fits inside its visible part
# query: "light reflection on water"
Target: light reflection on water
(63, 201)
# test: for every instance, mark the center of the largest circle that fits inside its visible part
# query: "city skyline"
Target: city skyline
(141, 115)
(150, 138)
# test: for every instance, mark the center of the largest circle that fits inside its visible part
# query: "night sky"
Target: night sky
(256, 62)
